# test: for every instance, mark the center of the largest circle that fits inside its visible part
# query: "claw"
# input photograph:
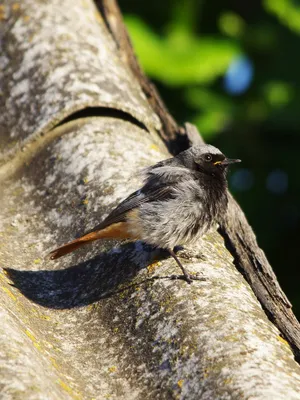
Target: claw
(186, 276)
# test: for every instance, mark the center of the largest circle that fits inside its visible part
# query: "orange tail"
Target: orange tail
(67, 248)
(117, 231)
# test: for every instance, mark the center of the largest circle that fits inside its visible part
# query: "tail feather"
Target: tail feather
(118, 230)
(75, 244)
(65, 249)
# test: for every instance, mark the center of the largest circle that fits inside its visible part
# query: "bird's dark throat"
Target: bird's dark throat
(219, 174)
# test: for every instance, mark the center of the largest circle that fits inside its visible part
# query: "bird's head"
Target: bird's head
(208, 159)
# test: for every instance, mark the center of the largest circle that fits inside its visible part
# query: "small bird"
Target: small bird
(180, 200)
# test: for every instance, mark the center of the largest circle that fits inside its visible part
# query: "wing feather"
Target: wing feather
(160, 184)
(133, 201)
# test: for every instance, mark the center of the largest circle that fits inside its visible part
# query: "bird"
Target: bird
(180, 200)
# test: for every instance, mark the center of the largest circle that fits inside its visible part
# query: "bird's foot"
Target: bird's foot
(189, 278)
(186, 276)
(188, 254)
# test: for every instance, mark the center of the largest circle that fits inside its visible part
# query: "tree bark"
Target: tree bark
(106, 321)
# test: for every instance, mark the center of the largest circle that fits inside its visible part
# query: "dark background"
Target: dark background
(232, 68)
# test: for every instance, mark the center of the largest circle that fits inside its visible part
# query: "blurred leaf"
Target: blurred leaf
(278, 94)
(231, 24)
(180, 58)
(207, 98)
(185, 14)
(287, 11)
(211, 123)
(216, 111)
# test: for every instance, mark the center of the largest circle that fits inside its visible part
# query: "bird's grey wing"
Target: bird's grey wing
(160, 183)
(168, 171)
(137, 198)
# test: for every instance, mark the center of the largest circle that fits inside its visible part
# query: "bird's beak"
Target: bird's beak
(228, 161)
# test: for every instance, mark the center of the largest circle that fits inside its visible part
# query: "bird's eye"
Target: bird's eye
(208, 157)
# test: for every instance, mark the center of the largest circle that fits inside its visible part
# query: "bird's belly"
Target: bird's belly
(171, 224)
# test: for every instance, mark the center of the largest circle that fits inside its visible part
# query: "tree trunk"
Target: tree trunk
(77, 123)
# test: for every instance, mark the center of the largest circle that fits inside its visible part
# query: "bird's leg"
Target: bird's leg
(188, 254)
(189, 278)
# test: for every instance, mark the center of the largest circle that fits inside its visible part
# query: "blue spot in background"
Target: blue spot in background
(242, 179)
(239, 76)
(277, 181)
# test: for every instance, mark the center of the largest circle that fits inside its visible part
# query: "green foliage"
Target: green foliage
(216, 111)
(278, 94)
(180, 58)
(231, 24)
(288, 12)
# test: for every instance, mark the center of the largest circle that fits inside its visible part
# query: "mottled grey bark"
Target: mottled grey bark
(52, 64)
(98, 324)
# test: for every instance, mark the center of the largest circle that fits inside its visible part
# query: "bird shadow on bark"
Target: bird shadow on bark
(82, 284)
